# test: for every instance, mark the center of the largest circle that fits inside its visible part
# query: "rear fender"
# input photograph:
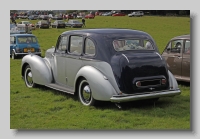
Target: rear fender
(99, 84)
(41, 69)
(172, 81)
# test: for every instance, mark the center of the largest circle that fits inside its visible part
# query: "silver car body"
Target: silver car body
(64, 73)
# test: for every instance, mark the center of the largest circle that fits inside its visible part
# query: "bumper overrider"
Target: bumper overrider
(145, 95)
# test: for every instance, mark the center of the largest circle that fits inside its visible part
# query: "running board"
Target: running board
(60, 88)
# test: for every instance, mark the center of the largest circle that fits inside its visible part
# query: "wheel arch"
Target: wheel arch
(99, 84)
(40, 68)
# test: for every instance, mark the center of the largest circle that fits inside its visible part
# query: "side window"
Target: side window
(76, 44)
(175, 46)
(187, 47)
(89, 47)
(148, 45)
(62, 46)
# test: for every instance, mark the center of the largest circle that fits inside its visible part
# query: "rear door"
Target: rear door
(73, 61)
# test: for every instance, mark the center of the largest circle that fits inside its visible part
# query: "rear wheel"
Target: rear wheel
(85, 93)
(28, 77)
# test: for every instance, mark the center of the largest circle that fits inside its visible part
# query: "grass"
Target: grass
(44, 108)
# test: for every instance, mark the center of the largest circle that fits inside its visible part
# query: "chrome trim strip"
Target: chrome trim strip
(126, 58)
(159, 55)
(126, 98)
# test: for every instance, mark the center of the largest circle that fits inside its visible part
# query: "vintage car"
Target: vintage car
(58, 24)
(89, 16)
(31, 25)
(42, 24)
(177, 56)
(20, 29)
(116, 65)
(107, 14)
(33, 17)
(21, 44)
(43, 17)
(57, 17)
(134, 14)
(74, 24)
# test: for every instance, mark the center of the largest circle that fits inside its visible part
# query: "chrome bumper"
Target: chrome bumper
(146, 95)
(35, 53)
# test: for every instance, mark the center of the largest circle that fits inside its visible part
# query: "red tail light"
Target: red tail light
(163, 81)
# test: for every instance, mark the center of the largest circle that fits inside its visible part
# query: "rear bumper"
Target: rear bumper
(146, 95)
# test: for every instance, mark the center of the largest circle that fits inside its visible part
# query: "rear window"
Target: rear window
(132, 44)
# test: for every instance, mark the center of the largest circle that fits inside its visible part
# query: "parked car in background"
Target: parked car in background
(73, 24)
(138, 13)
(69, 16)
(33, 17)
(89, 16)
(57, 17)
(107, 14)
(42, 24)
(20, 29)
(119, 14)
(32, 26)
(58, 24)
(43, 17)
(22, 17)
(21, 44)
(177, 56)
(116, 65)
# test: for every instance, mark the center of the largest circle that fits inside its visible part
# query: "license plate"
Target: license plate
(27, 49)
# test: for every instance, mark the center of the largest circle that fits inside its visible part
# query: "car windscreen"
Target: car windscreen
(132, 44)
(27, 39)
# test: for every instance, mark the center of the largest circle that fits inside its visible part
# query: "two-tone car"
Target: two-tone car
(22, 44)
(177, 56)
(116, 65)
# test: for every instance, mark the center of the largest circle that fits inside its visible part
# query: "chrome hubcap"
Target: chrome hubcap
(86, 93)
(29, 78)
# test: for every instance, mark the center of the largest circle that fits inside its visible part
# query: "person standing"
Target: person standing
(83, 21)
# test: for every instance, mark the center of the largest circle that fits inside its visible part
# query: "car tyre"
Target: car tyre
(13, 56)
(85, 93)
(28, 77)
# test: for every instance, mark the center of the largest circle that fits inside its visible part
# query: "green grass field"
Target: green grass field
(44, 108)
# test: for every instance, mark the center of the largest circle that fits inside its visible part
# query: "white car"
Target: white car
(139, 13)
(32, 26)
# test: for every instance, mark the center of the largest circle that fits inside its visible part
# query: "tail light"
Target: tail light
(163, 81)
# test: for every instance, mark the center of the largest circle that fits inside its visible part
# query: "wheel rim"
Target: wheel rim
(85, 92)
(28, 77)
